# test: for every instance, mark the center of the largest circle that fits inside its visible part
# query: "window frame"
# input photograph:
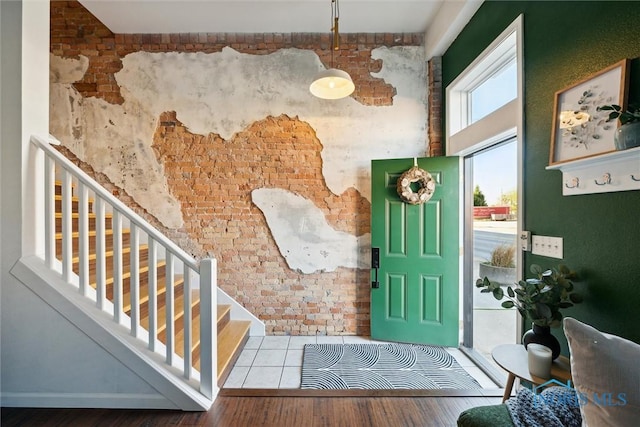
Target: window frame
(464, 137)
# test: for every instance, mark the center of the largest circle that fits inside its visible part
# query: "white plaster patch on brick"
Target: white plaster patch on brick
(305, 239)
(221, 92)
(128, 158)
(405, 68)
(66, 120)
(67, 70)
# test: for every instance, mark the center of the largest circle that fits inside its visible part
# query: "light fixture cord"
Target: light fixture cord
(335, 40)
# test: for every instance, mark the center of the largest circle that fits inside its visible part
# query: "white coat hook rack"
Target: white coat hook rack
(608, 172)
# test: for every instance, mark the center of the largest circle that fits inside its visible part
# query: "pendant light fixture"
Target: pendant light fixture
(333, 83)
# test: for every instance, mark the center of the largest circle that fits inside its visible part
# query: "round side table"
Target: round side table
(513, 359)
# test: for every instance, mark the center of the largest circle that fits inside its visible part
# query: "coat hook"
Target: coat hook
(575, 183)
(634, 178)
(606, 179)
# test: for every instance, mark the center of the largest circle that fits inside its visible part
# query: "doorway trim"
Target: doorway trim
(465, 138)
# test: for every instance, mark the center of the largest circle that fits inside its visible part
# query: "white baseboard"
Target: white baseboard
(86, 400)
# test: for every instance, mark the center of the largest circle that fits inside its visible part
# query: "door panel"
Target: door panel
(432, 299)
(432, 224)
(417, 300)
(397, 296)
(396, 243)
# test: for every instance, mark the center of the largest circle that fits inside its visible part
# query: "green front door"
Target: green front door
(418, 277)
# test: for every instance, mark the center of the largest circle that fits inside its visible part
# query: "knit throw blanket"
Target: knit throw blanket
(554, 407)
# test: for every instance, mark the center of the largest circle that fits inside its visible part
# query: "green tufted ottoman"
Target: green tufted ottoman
(486, 416)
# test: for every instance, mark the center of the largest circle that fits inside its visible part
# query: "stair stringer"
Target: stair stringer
(116, 340)
(238, 312)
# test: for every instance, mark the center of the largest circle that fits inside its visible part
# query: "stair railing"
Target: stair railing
(202, 275)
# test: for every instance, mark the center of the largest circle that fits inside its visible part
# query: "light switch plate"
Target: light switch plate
(547, 246)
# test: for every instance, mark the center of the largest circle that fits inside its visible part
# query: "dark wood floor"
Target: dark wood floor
(266, 411)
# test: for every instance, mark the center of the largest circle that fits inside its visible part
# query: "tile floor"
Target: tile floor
(276, 361)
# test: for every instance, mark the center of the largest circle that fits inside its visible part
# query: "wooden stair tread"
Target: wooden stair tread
(178, 312)
(195, 342)
(58, 197)
(195, 333)
(77, 215)
(92, 233)
(126, 274)
(126, 250)
(161, 289)
(223, 309)
(230, 340)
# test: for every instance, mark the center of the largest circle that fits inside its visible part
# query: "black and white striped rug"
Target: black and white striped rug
(382, 366)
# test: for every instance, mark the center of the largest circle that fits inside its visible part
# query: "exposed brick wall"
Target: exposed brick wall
(213, 178)
(434, 105)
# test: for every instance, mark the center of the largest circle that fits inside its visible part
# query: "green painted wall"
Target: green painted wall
(565, 42)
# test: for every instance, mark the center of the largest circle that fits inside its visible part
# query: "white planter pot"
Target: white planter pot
(503, 276)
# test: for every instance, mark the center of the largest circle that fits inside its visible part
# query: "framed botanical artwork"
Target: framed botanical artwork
(580, 129)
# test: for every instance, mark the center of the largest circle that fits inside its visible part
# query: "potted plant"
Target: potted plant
(539, 300)
(501, 268)
(628, 134)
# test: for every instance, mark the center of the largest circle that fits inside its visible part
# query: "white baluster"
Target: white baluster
(116, 226)
(187, 322)
(153, 294)
(134, 281)
(67, 233)
(83, 238)
(100, 248)
(170, 309)
(50, 211)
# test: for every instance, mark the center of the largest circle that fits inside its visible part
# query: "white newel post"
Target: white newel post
(208, 328)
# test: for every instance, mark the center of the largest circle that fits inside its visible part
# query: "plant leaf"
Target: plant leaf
(536, 269)
(508, 304)
(498, 293)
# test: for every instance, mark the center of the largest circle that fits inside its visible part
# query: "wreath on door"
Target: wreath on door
(426, 186)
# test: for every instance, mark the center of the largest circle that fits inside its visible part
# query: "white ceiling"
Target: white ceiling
(264, 16)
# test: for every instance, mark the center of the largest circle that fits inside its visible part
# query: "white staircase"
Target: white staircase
(132, 290)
